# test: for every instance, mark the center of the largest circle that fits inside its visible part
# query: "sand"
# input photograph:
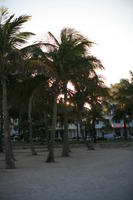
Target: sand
(103, 174)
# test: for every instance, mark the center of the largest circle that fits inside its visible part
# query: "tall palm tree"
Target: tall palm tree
(11, 38)
(67, 55)
(35, 52)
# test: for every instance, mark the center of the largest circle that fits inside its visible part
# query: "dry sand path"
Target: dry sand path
(103, 174)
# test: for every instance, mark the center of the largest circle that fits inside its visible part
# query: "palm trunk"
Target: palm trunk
(33, 152)
(6, 129)
(77, 125)
(1, 132)
(125, 129)
(83, 136)
(50, 157)
(66, 150)
(46, 128)
(19, 124)
(94, 131)
(81, 127)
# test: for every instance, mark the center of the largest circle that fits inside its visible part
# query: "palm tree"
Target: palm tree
(67, 55)
(122, 96)
(37, 85)
(36, 53)
(79, 98)
(11, 38)
(98, 93)
(89, 89)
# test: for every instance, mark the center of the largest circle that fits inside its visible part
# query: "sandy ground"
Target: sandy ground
(103, 174)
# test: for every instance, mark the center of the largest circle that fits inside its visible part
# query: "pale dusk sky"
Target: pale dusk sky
(108, 23)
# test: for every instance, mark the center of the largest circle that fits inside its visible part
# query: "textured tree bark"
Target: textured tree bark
(9, 158)
(33, 152)
(50, 157)
(65, 150)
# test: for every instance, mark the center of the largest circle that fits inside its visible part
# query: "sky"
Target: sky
(108, 23)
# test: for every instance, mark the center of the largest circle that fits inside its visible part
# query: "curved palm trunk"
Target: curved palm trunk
(125, 129)
(66, 150)
(9, 158)
(50, 157)
(33, 152)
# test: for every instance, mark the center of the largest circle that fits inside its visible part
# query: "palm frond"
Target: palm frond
(53, 37)
(48, 44)
(3, 15)
(20, 38)
(15, 26)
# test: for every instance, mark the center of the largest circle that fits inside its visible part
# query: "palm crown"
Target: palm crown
(11, 39)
